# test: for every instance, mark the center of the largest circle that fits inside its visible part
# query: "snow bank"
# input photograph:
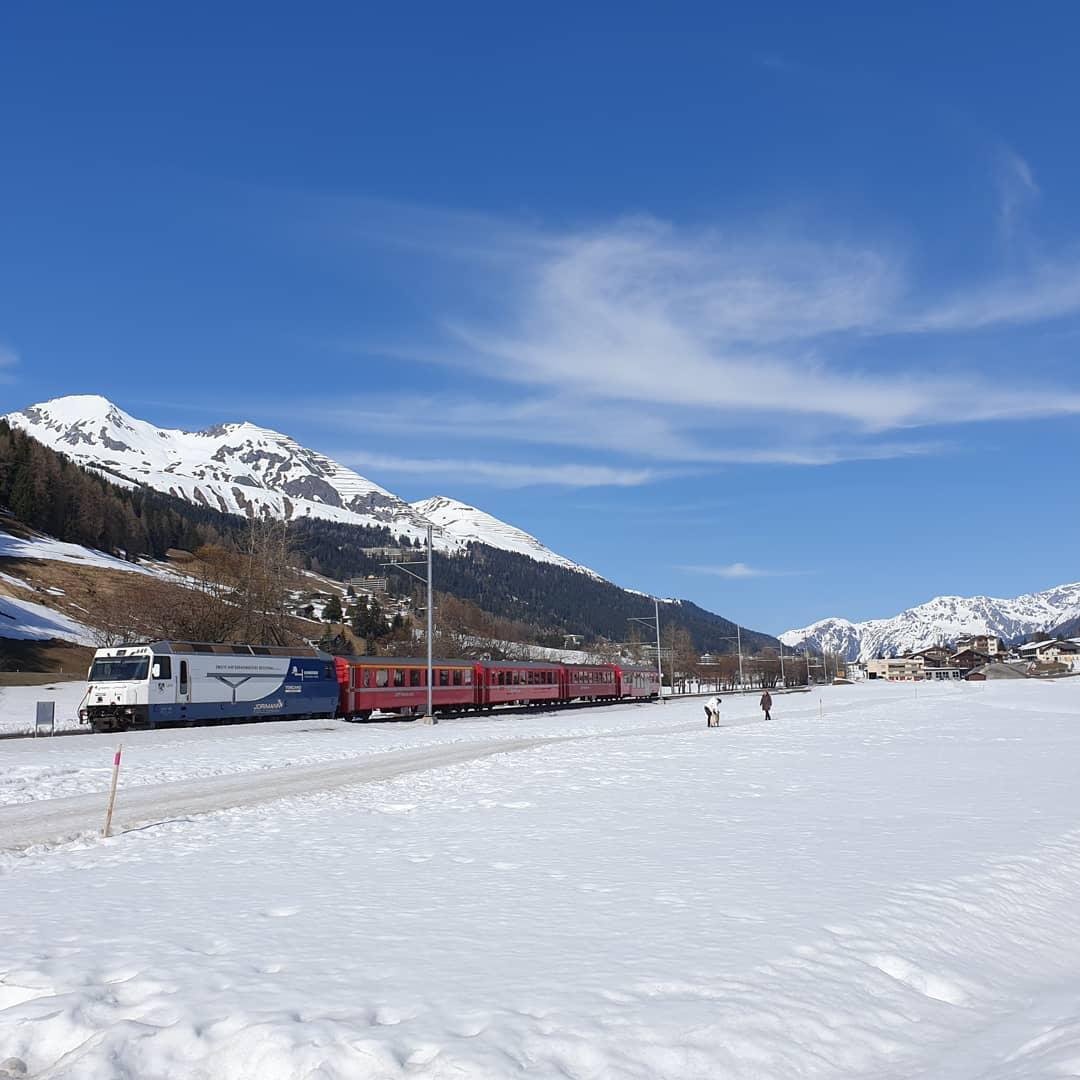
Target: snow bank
(888, 891)
(46, 548)
(27, 621)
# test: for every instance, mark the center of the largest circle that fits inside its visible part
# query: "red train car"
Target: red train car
(590, 681)
(398, 684)
(638, 682)
(504, 682)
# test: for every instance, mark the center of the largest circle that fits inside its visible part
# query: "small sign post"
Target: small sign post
(45, 717)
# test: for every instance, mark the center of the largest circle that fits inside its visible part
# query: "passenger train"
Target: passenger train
(156, 684)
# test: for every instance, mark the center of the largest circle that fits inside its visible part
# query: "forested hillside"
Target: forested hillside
(46, 491)
(550, 598)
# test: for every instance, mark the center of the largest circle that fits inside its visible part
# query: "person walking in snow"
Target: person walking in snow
(766, 705)
(712, 711)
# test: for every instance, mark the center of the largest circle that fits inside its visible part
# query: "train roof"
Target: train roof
(407, 661)
(221, 648)
(440, 661)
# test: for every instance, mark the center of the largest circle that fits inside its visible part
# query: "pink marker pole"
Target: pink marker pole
(112, 790)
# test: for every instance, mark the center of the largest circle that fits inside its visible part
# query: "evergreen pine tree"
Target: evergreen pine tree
(332, 612)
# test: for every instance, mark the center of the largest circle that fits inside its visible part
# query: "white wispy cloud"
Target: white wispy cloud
(1017, 188)
(648, 342)
(739, 570)
(503, 474)
(643, 312)
(634, 429)
(8, 360)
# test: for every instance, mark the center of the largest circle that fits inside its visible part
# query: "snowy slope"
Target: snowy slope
(942, 619)
(25, 620)
(903, 909)
(239, 467)
(47, 549)
(468, 524)
(233, 467)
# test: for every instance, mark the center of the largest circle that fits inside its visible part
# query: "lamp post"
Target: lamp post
(430, 717)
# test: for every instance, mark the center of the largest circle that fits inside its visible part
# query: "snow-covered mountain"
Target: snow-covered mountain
(467, 524)
(944, 618)
(233, 467)
(240, 468)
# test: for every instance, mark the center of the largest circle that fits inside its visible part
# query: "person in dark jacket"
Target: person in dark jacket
(766, 705)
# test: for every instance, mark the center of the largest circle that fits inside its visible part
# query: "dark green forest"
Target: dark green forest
(44, 490)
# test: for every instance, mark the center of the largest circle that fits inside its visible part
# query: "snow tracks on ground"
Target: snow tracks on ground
(27, 823)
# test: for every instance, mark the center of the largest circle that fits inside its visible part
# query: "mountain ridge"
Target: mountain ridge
(240, 467)
(943, 618)
(469, 524)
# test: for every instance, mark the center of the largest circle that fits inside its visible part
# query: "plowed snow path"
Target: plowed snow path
(25, 824)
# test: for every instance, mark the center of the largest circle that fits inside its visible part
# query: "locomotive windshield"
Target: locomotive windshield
(120, 669)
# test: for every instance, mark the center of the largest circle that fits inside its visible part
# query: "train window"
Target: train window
(183, 677)
(501, 675)
(414, 677)
(457, 676)
(444, 677)
(381, 676)
(468, 677)
(162, 668)
(399, 677)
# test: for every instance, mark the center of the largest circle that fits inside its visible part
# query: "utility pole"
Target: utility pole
(655, 620)
(673, 659)
(659, 662)
(738, 638)
(783, 679)
(430, 717)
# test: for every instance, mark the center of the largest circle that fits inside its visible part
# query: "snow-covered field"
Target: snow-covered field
(885, 889)
(18, 708)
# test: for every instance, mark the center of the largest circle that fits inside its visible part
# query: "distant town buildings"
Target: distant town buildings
(896, 668)
(979, 656)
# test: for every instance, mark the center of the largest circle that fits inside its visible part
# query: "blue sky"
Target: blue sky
(776, 310)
